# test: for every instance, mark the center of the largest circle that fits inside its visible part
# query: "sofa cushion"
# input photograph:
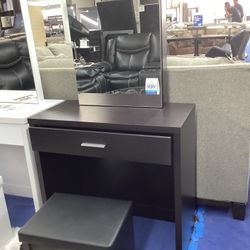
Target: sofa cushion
(43, 51)
(57, 49)
(44, 58)
(56, 62)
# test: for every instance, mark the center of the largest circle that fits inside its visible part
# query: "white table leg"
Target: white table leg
(32, 169)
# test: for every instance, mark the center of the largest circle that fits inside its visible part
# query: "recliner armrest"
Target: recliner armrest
(93, 70)
(104, 66)
(91, 79)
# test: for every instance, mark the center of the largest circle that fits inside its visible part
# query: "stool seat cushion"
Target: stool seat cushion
(77, 222)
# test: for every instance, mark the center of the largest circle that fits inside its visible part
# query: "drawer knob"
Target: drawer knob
(93, 145)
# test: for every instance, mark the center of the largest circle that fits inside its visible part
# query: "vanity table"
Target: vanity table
(144, 155)
(17, 158)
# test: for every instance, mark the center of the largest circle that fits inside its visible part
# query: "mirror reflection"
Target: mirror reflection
(116, 46)
(15, 67)
(53, 51)
(202, 33)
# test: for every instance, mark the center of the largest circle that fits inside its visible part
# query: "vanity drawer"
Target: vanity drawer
(123, 146)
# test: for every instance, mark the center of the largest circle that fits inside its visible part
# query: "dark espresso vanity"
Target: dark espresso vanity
(122, 143)
(144, 155)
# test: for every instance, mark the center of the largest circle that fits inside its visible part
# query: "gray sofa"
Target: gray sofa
(58, 75)
(222, 97)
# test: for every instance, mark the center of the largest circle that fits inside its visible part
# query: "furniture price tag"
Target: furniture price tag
(152, 86)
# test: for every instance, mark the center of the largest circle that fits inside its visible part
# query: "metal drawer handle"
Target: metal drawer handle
(93, 145)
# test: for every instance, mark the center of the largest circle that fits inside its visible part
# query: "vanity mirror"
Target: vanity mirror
(19, 78)
(118, 51)
(53, 50)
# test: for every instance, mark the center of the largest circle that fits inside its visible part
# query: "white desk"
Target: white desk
(14, 132)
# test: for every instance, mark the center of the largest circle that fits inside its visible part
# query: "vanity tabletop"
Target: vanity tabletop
(169, 119)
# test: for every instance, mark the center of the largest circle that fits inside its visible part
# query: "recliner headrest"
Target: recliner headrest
(133, 43)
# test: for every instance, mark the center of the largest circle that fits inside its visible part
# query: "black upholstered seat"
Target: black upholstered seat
(80, 222)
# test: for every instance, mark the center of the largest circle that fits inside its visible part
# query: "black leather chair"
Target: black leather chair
(126, 57)
(15, 67)
(235, 49)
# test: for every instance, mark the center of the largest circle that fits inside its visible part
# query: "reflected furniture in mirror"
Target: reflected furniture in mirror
(197, 41)
(127, 70)
(126, 67)
(15, 67)
(90, 39)
(235, 49)
(18, 66)
(54, 56)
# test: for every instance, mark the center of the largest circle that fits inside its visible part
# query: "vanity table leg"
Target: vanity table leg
(184, 163)
(32, 170)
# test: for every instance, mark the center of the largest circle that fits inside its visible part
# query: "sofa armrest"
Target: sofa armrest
(59, 83)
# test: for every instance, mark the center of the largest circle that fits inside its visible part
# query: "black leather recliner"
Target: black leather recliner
(15, 67)
(126, 57)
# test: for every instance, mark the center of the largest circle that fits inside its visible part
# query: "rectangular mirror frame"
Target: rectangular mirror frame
(134, 100)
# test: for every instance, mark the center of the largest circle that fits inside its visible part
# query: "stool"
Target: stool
(75, 222)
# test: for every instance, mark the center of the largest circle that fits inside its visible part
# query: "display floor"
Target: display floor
(218, 230)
